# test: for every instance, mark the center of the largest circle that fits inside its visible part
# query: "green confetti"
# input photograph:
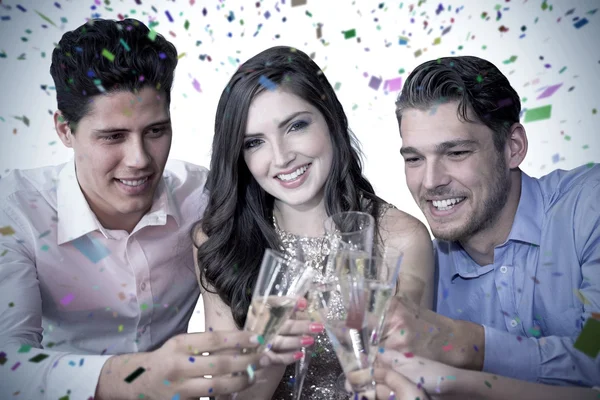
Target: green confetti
(11, 304)
(186, 25)
(143, 306)
(261, 339)
(124, 44)
(539, 113)
(45, 18)
(38, 358)
(562, 70)
(349, 34)
(110, 56)
(488, 384)
(587, 342)
(512, 59)
(479, 78)
(152, 35)
(337, 86)
(24, 348)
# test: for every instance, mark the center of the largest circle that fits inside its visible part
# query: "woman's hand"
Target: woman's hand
(297, 332)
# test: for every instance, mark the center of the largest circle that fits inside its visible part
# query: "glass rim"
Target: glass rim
(362, 213)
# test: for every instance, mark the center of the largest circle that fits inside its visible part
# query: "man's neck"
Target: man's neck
(481, 246)
(305, 220)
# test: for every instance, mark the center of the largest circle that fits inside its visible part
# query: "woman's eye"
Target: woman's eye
(251, 143)
(298, 125)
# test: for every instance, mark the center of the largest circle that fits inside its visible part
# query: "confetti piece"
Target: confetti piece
(581, 297)
(120, 328)
(349, 34)
(296, 3)
(261, 339)
(250, 371)
(587, 342)
(91, 248)
(539, 113)
(7, 231)
(14, 367)
(549, 91)
(20, 7)
(196, 86)
(447, 347)
(374, 83)
(2, 358)
(135, 374)
(488, 384)
(124, 44)
(168, 14)
(108, 55)
(24, 348)
(580, 23)
(192, 359)
(67, 299)
(38, 358)
(175, 396)
(393, 85)
(152, 35)
(409, 355)
(267, 83)
(45, 18)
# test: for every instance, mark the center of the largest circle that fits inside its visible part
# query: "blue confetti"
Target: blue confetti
(20, 7)
(91, 248)
(267, 83)
(580, 23)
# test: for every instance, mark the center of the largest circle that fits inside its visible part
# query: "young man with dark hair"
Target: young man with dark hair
(97, 280)
(518, 258)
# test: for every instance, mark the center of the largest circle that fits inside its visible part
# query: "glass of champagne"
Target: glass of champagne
(281, 283)
(352, 230)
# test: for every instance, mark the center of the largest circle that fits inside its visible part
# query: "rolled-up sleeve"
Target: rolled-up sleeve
(28, 370)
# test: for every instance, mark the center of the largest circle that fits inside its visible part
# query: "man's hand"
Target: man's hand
(411, 329)
(179, 367)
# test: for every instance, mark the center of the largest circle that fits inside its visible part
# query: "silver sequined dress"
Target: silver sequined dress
(324, 368)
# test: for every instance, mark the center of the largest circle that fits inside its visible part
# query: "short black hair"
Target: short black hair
(105, 56)
(477, 85)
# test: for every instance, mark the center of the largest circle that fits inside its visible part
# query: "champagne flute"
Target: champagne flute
(353, 230)
(281, 283)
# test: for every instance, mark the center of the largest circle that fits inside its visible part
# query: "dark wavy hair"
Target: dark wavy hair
(109, 55)
(238, 218)
(477, 85)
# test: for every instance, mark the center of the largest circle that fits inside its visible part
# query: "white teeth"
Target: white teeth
(447, 204)
(134, 183)
(293, 175)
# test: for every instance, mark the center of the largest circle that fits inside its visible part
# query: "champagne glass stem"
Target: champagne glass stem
(301, 370)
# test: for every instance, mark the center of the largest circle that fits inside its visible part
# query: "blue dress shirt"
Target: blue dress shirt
(542, 286)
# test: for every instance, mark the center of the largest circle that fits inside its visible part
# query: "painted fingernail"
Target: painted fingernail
(253, 339)
(392, 396)
(302, 303)
(298, 355)
(316, 327)
(307, 340)
(264, 361)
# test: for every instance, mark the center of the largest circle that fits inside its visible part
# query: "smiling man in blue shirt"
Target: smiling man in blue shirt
(518, 258)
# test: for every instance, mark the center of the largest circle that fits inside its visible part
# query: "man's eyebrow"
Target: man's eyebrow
(114, 130)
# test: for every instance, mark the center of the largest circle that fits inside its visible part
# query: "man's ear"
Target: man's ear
(516, 145)
(63, 129)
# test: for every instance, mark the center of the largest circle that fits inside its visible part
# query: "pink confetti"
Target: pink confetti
(196, 85)
(549, 91)
(393, 85)
(409, 355)
(67, 299)
(447, 347)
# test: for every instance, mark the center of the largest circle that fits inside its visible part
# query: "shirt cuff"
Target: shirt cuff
(76, 376)
(511, 356)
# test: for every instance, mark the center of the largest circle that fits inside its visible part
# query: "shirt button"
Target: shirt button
(143, 286)
(503, 269)
(513, 323)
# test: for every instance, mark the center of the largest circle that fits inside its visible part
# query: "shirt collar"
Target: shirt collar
(75, 217)
(527, 225)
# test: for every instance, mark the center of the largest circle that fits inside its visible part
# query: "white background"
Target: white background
(550, 38)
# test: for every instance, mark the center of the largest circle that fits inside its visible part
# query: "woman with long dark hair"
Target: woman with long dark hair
(283, 160)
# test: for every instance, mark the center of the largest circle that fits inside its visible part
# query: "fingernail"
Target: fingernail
(302, 303)
(250, 371)
(316, 327)
(298, 355)
(307, 340)
(392, 396)
(264, 361)
(253, 339)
